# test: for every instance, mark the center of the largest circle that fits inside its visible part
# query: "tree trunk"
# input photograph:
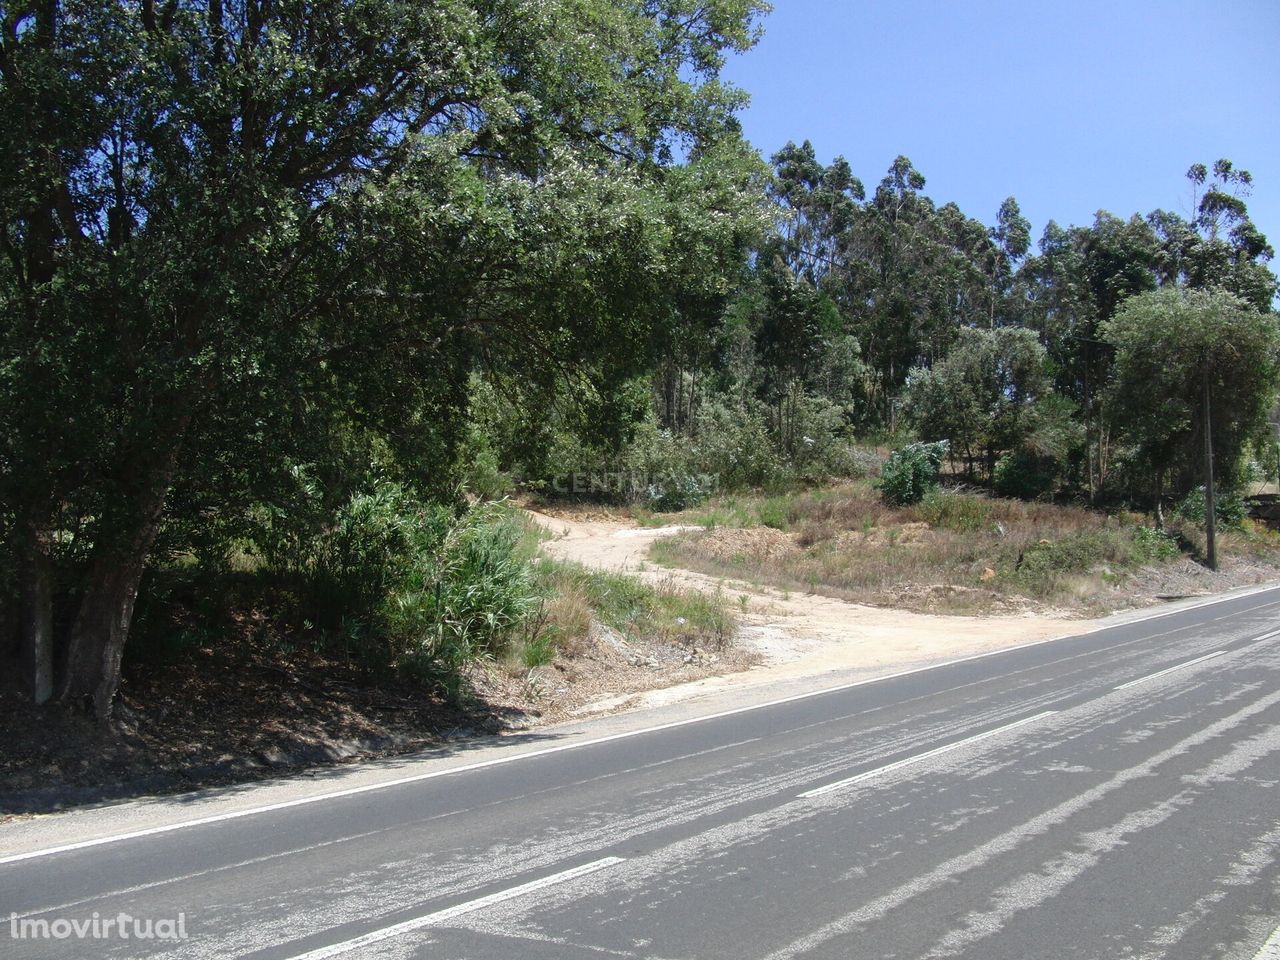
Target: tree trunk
(96, 644)
(35, 624)
(1159, 499)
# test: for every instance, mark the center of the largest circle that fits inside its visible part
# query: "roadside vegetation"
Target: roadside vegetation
(963, 552)
(277, 346)
(400, 591)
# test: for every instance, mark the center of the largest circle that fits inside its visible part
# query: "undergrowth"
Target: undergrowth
(956, 551)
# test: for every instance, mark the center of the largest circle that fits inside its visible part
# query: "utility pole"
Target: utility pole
(1210, 513)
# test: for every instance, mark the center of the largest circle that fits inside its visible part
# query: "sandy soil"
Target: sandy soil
(796, 635)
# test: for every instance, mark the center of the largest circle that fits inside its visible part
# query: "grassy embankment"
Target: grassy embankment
(575, 597)
(957, 552)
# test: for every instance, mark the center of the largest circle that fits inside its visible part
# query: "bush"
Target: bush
(733, 444)
(1229, 509)
(351, 567)
(911, 472)
(1022, 475)
(1154, 546)
(963, 512)
(461, 599)
(414, 587)
(676, 492)
(1078, 552)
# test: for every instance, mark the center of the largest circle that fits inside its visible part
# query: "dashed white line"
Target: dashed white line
(1271, 949)
(920, 758)
(1178, 666)
(441, 916)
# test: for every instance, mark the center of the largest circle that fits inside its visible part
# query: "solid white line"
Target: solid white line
(498, 761)
(1179, 666)
(441, 916)
(545, 751)
(919, 758)
(1271, 949)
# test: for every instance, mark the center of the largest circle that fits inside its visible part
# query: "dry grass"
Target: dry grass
(649, 613)
(956, 552)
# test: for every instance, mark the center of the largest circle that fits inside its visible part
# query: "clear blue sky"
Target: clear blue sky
(1069, 106)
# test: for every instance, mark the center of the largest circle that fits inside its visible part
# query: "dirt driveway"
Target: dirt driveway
(798, 635)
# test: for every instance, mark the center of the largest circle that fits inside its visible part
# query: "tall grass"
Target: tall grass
(643, 611)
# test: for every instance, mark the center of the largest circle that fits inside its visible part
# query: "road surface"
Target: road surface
(1111, 795)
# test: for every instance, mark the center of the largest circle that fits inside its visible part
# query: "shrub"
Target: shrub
(351, 567)
(676, 491)
(461, 599)
(1229, 509)
(399, 584)
(734, 444)
(1076, 553)
(911, 471)
(1153, 546)
(482, 475)
(962, 512)
(1023, 475)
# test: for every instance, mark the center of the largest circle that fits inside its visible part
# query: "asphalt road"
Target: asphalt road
(1113, 795)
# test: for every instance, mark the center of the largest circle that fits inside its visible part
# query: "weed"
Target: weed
(538, 650)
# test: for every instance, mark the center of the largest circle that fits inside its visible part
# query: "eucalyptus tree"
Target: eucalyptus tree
(230, 225)
(819, 207)
(1072, 286)
(1219, 247)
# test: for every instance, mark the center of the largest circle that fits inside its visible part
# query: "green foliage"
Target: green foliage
(676, 492)
(962, 512)
(1076, 553)
(1154, 546)
(772, 512)
(1023, 475)
(538, 651)
(733, 443)
(1170, 345)
(382, 256)
(911, 472)
(461, 599)
(295, 246)
(398, 584)
(980, 397)
(354, 565)
(1229, 510)
(1111, 548)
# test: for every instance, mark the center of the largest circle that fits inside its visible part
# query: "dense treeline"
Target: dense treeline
(283, 281)
(868, 315)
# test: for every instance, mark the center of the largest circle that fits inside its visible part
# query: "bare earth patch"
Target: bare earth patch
(794, 634)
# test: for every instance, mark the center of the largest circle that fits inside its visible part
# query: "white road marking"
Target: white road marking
(1179, 666)
(921, 757)
(1038, 826)
(498, 761)
(545, 751)
(1271, 949)
(442, 916)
